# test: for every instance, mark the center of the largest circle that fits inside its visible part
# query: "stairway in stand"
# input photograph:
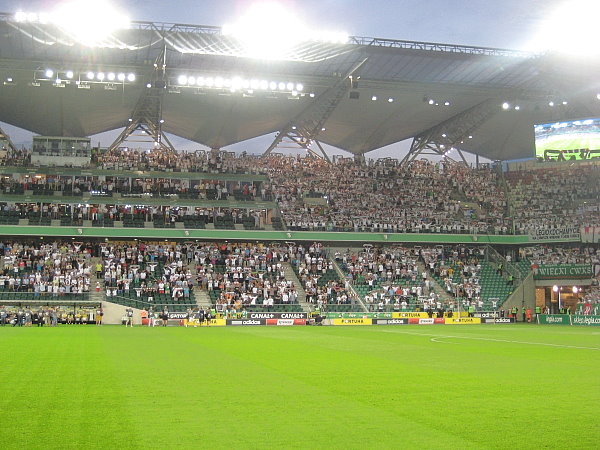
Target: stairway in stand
(200, 295)
(437, 287)
(291, 275)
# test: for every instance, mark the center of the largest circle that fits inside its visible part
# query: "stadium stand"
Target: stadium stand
(250, 277)
(143, 275)
(323, 286)
(38, 271)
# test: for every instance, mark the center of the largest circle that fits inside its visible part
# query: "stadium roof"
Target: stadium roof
(417, 86)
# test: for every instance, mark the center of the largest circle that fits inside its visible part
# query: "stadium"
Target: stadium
(273, 283)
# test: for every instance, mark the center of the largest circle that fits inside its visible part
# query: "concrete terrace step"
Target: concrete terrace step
(291, 275)
(202, 298)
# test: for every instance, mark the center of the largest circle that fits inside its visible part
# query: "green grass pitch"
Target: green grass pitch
(436, 387)
(568, 142)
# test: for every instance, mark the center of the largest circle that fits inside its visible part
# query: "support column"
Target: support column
(304, 129)
(450, 134)
(145, 124)
(5, 138)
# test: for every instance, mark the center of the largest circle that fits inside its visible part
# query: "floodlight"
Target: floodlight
(281, 86)
(121, 77)
(90, 75)
(111, 76)
(374, 98)
(182, 79)
(446, 103)
(505, 105)
(254, 84)
(200, 81)
(312, 95)
(236, 83)
(431, 101)
(162, 120)
(69, 74)
(444, 135)
(90, 23)
(100, 76)
(578, 21)
(273, 85)
(470, 137)
(210, 82)
(227, 82)
(270, 31)
(299, 87)
(20, 16)
(598, 96)
(564, 103)
(517, 108)
(9, 80)
(191, 81)
(264, 84)
(131, 77)
(49, 73)
(148, 85)
(322, 129)
(550, 103)
(245, 84)
(290, 86)
(44, 17)
(390, 100)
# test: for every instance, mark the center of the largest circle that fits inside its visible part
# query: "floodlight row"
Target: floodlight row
(434, 102)
(507, 106)
(90, 75)
(238, 83)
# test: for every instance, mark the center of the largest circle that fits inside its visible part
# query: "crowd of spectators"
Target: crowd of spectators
(46, 269)
(149, 270)
(423, 197)
(392, 277)
(458, 268)
(556, 197)
(15, 158)
(560, 254)
(159, 159)
(202, 189)
(374, 196)
(75, 214)
(318, 277)
(243, 275)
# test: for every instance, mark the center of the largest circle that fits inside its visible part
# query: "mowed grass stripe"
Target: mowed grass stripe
(59, 390)
(299, 387)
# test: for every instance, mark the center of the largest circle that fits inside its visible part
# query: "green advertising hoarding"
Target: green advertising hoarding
(588, 321)
(565, 319)
(558, 271)
(554, 319)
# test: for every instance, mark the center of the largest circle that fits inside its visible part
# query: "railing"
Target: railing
(347, 284)
(141, 304)
(44, 298)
